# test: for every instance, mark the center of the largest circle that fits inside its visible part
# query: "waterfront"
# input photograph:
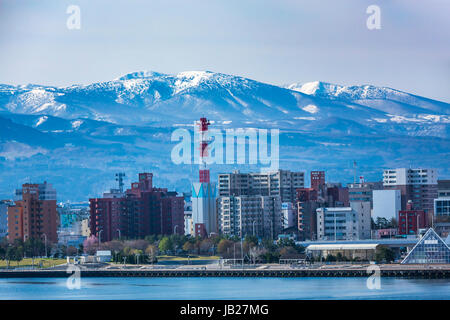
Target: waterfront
(223, 288)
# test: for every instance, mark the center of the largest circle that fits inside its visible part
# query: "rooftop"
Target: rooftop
(365, 246)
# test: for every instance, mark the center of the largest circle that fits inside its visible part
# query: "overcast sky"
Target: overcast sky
(276, 41)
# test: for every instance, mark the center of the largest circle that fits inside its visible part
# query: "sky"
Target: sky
(276, 41)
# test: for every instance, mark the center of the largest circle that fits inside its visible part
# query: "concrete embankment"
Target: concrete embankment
(407, 272)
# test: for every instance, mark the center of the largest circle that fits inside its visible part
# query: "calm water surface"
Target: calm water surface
(223, 288)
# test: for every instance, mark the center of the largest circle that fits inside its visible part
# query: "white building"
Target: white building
(405, 176)
(344, 223)
(386, 204)
(250, 215)
(289, 215)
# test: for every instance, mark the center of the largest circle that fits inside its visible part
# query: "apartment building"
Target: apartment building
(140, 211)
(250, 215)
(33, 214)
(418, 185)
(282, 183)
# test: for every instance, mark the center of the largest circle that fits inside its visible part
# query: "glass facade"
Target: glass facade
(430, 249)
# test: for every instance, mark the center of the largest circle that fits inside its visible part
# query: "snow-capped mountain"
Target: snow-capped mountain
(83, 134)
(147, 97)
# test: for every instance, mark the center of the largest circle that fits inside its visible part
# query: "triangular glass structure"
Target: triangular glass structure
(430, 249)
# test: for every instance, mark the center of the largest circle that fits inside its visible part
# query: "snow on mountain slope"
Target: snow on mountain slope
(381, 98)
(147, 97)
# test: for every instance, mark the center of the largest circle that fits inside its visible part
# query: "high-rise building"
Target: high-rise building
(283, 183)
(250, 215)
(418, 185)
(363, 191)
(140, 211)
(34, 214)
(307, 219)
(344, 223)
(386, 204)
(307, 203)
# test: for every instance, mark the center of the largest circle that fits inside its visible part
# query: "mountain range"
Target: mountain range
(77, 137)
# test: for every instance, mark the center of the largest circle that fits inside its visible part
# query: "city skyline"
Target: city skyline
(229, 150)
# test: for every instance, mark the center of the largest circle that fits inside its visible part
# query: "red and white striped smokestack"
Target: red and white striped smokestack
(203, 129)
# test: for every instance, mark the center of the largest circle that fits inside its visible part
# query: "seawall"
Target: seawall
(399, 273)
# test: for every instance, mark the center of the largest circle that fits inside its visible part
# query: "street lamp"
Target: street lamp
(99, 236)
(45, 241)
(175, 229)
(242, 255)
(234, 260)
(137, 258)
(120, 234)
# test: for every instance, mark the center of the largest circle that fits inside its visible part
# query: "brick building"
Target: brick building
(140, 211)
(33, 214)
